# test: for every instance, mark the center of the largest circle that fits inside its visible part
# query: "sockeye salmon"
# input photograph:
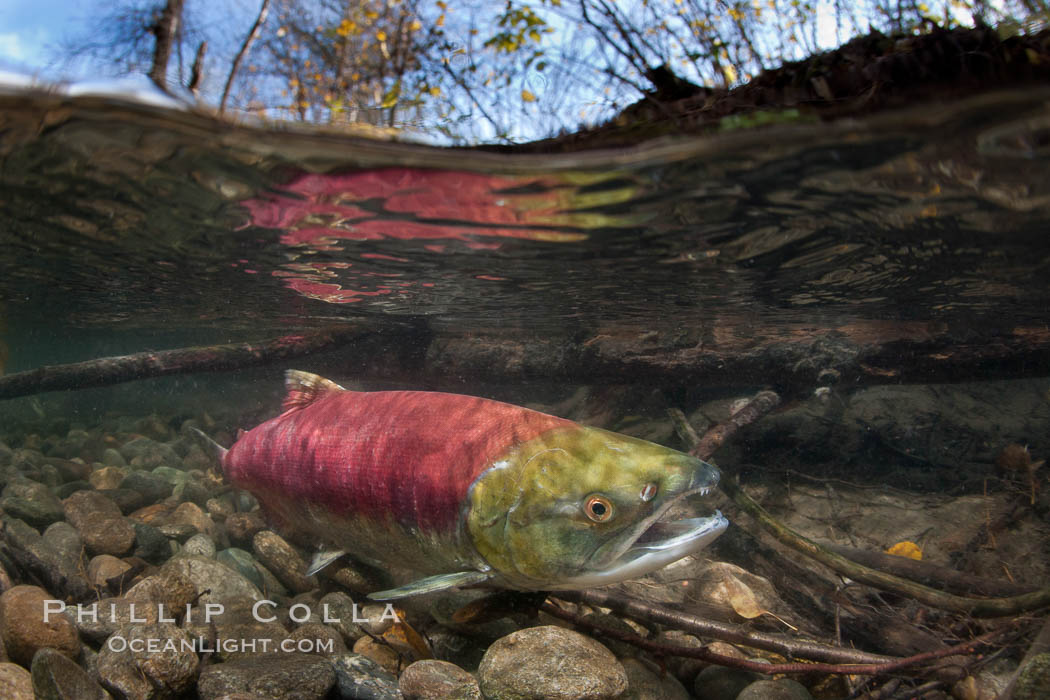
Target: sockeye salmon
(466, 490)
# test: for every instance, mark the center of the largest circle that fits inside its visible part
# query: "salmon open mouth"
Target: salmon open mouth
(654, 543)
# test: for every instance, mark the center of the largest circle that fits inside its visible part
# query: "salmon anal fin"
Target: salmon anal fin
(304, 388)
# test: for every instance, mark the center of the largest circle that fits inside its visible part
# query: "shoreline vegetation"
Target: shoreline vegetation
(869, 74)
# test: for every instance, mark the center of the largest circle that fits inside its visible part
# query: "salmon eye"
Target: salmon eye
(648, 492)
(598, 508)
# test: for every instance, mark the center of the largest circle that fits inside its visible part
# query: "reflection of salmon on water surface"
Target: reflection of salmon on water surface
(466, 490)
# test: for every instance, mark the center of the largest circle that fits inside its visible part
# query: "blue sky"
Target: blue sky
(30, 30)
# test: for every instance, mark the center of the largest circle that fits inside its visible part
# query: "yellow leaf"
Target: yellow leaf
(381, 35)
(435, 91)
(528, 96)
(440, 21)
(744, 601)
(415, 26)
(742, 598)
(441, 4)
(906, 549)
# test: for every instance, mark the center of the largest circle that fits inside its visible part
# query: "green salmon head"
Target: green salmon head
(578, 507)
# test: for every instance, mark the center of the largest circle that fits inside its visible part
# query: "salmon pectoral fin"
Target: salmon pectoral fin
(323, 558)
(304, 388)
(432, 584)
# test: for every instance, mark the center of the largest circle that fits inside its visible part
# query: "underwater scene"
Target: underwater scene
(288, 413)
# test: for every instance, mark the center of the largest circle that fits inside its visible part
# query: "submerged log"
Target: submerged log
(789, 358)
(214, 358)
(793, 360)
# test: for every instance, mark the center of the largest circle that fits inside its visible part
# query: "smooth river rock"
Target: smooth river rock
(269, 677)
(25, 630)
(56, 677)
(431, 679)
(550, 663)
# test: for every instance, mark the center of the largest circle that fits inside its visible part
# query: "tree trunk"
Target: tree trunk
(166, 29)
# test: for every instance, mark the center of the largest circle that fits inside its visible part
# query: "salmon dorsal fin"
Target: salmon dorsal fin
(304, 388)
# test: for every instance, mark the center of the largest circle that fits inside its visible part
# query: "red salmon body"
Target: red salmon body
(411, 455)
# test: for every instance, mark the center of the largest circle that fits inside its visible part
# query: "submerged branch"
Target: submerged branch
(733, 634)
(114, 370)
(876, 666)
(977, 607)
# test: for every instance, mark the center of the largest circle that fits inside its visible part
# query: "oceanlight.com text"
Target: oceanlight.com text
(200, 645)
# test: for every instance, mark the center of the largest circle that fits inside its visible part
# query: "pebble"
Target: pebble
(780, 689)
(64, 491)
(212, 581)
(153, 488)
(167, 588)
(431, 679)
(457, 648)
(340, 607)
(379, 653)
(269, 676)
(146, 453)
(242, 527)
(36, 513)
(171, 475)
(685, 669)
(199, 544)
(150, 543)
(70, 469)
(155, 515)
(645, 683)
(25, 538)
(723, 683)
(191, 492)
(32, 502)
(24, 629)
(104, 567)
(66, 542)
(360, 678)
(274, 552)
(550, 663)
(113, 458)
(100, 523)
(107, 477)
(147, 661)
(126, 499)
(219, 508)
(15, 682)
(375, 618)
(192, 515)
(243, 563)
(56, 677)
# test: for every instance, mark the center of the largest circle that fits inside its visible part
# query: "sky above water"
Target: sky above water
(28, 27)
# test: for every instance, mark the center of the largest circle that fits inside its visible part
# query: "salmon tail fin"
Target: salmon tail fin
(217, 451)
(305, 388)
